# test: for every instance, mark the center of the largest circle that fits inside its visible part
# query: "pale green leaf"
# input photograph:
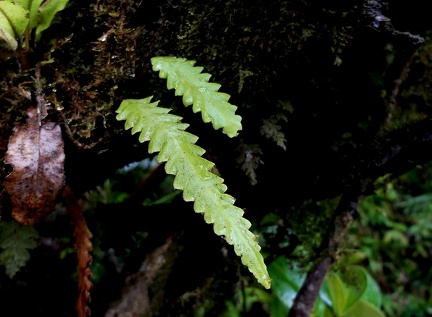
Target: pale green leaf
(363, 309)
(355, 284)
(13, 22)
(183, 159)
(33, 7)
(46, 14)
(358, 296)
(6, 40)
(337, 292)
(189, 82)
(372, 293)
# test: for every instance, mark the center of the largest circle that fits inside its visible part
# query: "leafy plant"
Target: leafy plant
(271, 127)
(30, 146)
(17, 17)
(183, 157)
(352, 293)
(394, 231)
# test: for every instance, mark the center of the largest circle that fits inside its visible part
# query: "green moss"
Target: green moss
(261, 38)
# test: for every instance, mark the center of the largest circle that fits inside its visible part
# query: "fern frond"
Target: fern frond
(189, 82)
(15, 241)
(183, 159)
(250, 159)
(271, 130)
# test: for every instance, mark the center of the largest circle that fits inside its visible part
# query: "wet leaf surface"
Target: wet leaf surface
(37, 156)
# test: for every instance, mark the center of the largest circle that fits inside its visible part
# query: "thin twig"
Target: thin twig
(40, 96)
(143, 187)
(392, 105)
(75, 141)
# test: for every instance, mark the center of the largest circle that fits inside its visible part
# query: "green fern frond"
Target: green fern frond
(15, 241)
(183, 159)
(189, 82)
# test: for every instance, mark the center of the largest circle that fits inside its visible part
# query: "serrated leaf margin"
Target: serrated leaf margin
(189, 82)
(183, 159)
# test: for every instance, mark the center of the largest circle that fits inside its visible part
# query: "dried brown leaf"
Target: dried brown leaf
(37, 156)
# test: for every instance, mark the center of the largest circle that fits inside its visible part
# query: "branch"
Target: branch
(308, 293)
(395, 153)
(392, 103)
(381, 23)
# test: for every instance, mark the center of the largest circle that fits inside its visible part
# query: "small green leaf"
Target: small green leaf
(189, 82)
(397, 237)
(363, 309)
(337, 293)
(271, 130)
(355, 292)
(372, 293)
(356, 257)
(46, 14)
(347, 298)
(231, 310)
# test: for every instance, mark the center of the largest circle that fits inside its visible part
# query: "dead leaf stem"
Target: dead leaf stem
(83, 247)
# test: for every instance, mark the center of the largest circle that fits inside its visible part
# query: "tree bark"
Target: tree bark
(308, 293)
